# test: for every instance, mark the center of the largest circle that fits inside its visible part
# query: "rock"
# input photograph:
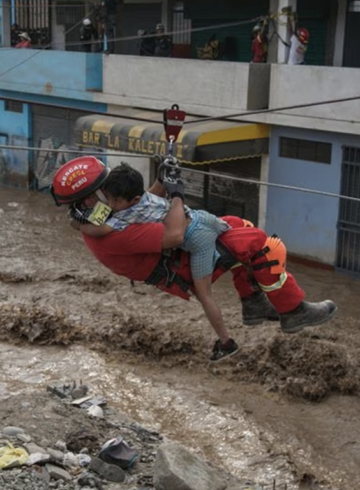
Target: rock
(22, 437)
(176, 468)
(37, 458)
(58, 473)
(79, 392)
(61, 445)
(70, 460)
(55, 454)
(12, 431)
(89, 480)
(34, 448)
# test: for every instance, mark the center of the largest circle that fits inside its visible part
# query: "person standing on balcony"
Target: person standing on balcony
(15, 31)
(163, 42)
(147, 43)
(259, 45)
(109, 9)
(25, 40)
(211, 50)
(87, 34)
(299, 38)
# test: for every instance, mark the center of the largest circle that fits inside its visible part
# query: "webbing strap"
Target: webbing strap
(226, 260)
(164, 275)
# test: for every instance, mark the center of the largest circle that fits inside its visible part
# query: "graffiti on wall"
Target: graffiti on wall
(47, 160)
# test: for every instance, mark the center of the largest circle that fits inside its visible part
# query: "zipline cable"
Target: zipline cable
(185, 169)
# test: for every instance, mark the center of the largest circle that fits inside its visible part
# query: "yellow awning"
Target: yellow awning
(198, 142)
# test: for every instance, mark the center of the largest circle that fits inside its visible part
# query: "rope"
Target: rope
(208, 174)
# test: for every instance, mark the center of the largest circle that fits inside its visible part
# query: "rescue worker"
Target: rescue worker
(299, 39)
(14, 34)
(147, 43)
(163, 42)
(137, 253)
(130, 203)
(87, 34)
(109, 15)
(259, 43)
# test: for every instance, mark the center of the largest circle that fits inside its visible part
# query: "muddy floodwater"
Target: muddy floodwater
(286, 409)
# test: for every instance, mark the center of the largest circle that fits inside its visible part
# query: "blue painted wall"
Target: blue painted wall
(55, 101)
(306, 222)
(64, 74)
(15, 129)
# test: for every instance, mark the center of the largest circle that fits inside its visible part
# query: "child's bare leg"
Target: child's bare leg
(212, 310)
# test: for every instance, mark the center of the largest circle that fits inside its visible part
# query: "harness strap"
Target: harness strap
(226, 259)
(163, 274)
(264, 265)
(262, 253)
(165, 270)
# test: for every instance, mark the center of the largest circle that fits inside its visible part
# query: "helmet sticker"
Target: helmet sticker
(71, 176)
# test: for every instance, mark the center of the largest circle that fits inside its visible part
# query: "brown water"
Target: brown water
(120, 342)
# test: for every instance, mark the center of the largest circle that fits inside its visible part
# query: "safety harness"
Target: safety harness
(275, 253)
(165, 273)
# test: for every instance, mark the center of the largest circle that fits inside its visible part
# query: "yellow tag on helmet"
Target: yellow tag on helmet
(99, 214)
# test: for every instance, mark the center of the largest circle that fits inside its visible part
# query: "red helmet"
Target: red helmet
(77, 179)
(303, 35)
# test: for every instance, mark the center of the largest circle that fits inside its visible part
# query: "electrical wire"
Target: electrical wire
(138, 37)
(196, 119)
(128, 38)
(41, 49)
(230, 117)
(185, 169)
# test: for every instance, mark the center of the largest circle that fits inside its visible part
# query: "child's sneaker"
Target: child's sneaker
(222, 351)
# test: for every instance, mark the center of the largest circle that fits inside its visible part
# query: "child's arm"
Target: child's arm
(92, 230)
(157, 188)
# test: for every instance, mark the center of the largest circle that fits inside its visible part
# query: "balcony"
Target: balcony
(69, 75)
(295, 85)
(201, 87)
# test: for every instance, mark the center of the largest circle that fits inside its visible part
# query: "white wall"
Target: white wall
(295, 85)
(141, 163)
(200, 87)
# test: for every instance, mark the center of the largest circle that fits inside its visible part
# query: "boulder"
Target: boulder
(176, 468)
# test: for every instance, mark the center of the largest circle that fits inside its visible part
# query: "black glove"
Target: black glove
(161, 173)
(167, 168)
(79, 215)
(174, 187)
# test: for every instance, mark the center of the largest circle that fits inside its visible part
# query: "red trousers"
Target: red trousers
(244, 243)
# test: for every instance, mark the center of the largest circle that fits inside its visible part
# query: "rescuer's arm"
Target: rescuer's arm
(175, 222)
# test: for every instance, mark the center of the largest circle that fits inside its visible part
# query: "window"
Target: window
(311, 151)
(13, 106)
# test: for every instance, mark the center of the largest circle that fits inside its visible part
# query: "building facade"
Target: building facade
(278, 164)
